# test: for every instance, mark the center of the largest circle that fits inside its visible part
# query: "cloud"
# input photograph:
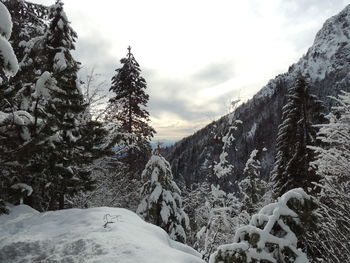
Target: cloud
(303, 10)
(179, 108)
(95, 52)
(192, 97)
(215, 73)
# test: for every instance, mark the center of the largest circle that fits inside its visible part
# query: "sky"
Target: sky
(196, 55)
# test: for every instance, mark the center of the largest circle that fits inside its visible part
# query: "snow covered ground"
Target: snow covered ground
(80, 235)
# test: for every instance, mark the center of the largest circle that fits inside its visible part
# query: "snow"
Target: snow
(154, 196)
(155, 174)
(8, 58)
(79, 235)
(60, 24)
(60, 61)
(5, 22)
(20, 118)
(42, 86)
(165, 213)
(252, 131)
(250, 161)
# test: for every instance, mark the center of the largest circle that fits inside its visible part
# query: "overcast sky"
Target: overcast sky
(196, 55)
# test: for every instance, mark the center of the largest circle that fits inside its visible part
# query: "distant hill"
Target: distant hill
(326, 66)
(163, 142)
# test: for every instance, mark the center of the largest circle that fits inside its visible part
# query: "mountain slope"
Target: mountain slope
(326, 66)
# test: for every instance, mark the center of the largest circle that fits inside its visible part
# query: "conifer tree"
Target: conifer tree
(162, 202)
(128, 109)
(292, 164)
(68, 139)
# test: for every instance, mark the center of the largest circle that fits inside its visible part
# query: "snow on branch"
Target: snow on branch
(23, 190)
(8, 60)
(223, 167)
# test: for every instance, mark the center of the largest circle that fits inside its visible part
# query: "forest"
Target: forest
(268, 182)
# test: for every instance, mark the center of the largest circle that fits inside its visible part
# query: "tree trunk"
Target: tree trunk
(61, 202)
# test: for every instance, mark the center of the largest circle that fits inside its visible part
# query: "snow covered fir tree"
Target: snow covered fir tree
(82, 181)
(162, 202)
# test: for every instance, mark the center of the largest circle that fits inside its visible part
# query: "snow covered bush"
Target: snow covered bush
(220, 217)
(252, 187)
(112, 187)
(194, 197)
(333, 157)
(162, 202)
(220, 210)
(271, 235)
(331, 239)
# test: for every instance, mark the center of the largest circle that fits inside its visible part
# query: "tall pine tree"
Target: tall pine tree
(128, 109)
(292, 165)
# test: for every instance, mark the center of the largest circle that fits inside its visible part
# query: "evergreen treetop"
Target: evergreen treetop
(130, 100)
(127, 110)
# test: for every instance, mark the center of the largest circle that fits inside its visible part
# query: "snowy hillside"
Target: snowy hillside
(77, 236)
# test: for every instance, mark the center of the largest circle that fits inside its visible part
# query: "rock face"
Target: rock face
(326, 65)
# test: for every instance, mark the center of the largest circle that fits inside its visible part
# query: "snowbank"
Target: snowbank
(79, 236)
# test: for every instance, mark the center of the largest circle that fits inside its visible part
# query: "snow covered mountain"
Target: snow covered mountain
(84, 235)
(327, 67)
